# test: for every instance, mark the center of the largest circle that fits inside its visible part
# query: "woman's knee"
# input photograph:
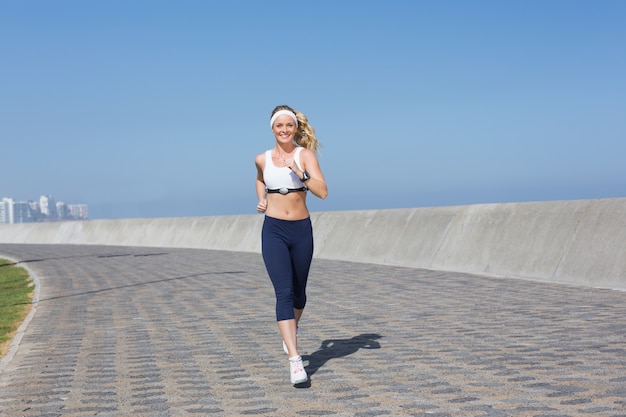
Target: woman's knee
(300, 304)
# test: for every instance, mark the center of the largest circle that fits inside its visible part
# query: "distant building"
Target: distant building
(5, 205)
(21, 212)
(34, 210)
(15, 211)
(47, 206)
(46, 209)
(62, 212)
(78, 211)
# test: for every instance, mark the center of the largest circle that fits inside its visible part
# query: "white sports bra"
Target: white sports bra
(281, 177)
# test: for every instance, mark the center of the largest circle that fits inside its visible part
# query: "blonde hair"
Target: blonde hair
(305, 135)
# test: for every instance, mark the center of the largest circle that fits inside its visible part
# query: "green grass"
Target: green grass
(16, 289)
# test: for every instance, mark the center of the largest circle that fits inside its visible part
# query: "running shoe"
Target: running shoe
(296, 370)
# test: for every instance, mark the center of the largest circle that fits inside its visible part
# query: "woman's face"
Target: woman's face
(284, 129)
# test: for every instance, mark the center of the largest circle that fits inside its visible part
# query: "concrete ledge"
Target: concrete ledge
(578, 242)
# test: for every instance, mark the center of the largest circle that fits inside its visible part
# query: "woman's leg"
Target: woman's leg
(301, 257)
(298, 313)
(287, 261)
(289, 334)
(287, 330)
(279, 267)
(277, 260)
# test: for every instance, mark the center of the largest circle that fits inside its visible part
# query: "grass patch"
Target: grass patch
(16, 295)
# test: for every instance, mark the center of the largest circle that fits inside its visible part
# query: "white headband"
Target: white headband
(282, 113)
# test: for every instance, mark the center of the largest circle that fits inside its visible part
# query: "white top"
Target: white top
(281, 177)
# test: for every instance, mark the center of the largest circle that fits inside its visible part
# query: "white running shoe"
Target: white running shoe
(296, 370)
(285, 346)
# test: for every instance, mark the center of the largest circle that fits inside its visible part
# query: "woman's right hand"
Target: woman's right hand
(262, 206)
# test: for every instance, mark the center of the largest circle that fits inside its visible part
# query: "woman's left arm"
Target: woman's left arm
(316, 184)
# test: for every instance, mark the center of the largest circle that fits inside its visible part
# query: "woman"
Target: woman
(284, 175)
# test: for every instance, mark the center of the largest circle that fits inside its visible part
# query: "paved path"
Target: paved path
(124, 331)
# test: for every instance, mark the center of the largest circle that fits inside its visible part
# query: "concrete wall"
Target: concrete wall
(579, 242)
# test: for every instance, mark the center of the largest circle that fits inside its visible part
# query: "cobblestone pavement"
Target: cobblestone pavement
(127, 331)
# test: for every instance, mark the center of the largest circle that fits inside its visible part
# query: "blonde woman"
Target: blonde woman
(285, 174)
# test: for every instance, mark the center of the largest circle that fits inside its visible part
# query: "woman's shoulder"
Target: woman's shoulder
(259, 159)
(307, 153)
(262, 154)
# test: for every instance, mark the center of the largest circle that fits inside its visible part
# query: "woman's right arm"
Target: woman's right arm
(261, 194)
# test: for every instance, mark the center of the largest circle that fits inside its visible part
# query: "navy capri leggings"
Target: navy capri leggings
(287, 247)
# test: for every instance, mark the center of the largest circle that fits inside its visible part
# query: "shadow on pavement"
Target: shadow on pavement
(337, 348)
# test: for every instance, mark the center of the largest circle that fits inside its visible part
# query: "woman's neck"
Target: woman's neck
(284, 149)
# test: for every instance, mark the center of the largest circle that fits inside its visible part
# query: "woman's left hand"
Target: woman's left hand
(291, 164)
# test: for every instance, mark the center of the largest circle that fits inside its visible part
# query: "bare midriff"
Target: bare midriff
(291, 206)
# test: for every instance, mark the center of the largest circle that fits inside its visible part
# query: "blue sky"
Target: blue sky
(157, 108)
